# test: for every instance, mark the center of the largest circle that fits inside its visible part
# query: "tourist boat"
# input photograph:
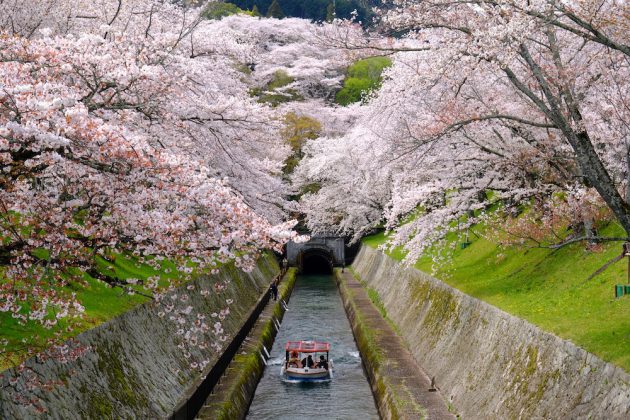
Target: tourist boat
(297, 351)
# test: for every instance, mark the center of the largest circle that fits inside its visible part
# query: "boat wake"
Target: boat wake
(349, 358)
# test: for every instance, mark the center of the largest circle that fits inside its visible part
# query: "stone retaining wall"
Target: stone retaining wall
(231, 398)
(400, 387)
(488, 363)
(135, 368)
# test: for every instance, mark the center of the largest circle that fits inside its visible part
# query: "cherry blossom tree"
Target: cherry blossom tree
(526, 99)
(125, 128)
(313, 65)
(351, 187)
(551, 75)
(296, 47)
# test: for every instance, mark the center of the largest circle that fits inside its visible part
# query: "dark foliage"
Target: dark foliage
(314, 9)
(275, 10)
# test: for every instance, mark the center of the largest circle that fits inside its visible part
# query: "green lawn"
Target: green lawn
(101, 303)
(547, 288)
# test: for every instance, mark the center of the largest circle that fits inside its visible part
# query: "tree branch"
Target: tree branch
(604, 267)
(592, 239)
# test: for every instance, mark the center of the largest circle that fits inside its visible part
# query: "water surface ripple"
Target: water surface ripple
(315, 313)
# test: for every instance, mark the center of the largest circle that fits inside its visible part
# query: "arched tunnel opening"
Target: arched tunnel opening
(316, 262)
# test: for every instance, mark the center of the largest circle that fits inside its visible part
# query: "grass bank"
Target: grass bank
(101, 303)
(546, 287)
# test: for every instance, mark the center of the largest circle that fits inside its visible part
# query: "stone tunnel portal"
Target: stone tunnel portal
(318, 255)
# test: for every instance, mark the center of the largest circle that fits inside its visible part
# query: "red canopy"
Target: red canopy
(307, 346)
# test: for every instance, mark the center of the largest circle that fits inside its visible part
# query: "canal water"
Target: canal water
(315, 313)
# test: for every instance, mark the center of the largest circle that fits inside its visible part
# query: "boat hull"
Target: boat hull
(306, 375)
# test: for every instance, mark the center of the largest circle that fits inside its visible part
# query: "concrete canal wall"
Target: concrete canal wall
(487, 363)
(231, 398)
(401, 388)
(135, 368)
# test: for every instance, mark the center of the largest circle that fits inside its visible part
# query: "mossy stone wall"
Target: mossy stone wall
(231, 398)
(135, 368)
(488, 363)
(382, 390)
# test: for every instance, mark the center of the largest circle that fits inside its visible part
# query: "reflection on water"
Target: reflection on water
(315, 313)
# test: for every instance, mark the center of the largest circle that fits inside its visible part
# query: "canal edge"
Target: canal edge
(384, 357)
(232, 396)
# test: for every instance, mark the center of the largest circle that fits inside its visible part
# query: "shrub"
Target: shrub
(363, 76)
(220, 10)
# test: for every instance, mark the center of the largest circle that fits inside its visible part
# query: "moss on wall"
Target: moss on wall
(490, 363)
(392, 401)
(134, 368)
(442, 314)
(233, 396)
(123, 382)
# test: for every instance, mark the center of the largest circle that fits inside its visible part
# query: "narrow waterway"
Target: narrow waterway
(315, 313)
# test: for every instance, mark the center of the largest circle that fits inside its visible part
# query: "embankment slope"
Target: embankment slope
(488, 363)
(135, 368)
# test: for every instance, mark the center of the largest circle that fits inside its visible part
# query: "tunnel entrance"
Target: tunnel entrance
(317, 255)
(316, 261)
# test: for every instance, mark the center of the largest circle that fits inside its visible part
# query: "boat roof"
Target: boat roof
(307, 346)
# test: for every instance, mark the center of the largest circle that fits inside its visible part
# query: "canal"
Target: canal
(315, 313)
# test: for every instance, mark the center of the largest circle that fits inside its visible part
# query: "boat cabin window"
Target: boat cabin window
(303, 360)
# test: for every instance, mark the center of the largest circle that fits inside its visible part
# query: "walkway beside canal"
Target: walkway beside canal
(400, 386)
(231, 397)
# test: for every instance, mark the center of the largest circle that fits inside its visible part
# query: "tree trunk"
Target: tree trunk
(588, 160)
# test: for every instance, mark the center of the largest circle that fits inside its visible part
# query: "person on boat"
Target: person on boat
(308, 362)
(323, 364)
(294, 361)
